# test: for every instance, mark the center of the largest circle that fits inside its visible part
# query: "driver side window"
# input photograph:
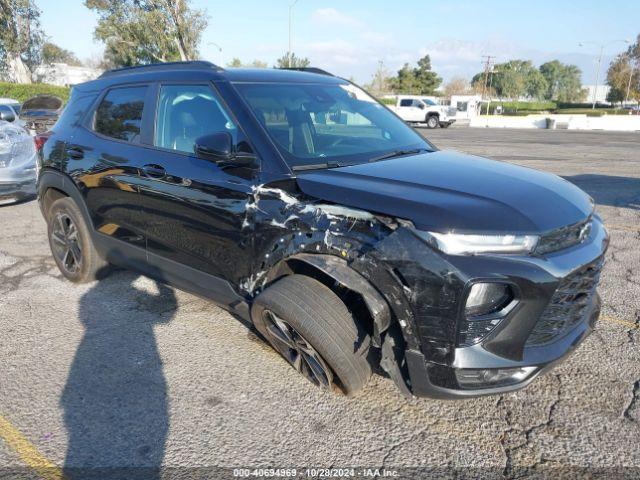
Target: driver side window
(187, 112)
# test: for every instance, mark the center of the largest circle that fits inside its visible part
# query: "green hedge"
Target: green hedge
(520, 108)
(387, 101)
(22, 92)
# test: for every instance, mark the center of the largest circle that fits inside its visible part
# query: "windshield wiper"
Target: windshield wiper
(398, 153)
(315, 166)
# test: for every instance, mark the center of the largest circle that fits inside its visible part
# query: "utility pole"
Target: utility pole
(485, 83)
(291, 5)
(631, 62)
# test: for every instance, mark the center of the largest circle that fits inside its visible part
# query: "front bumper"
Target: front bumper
(433, 366)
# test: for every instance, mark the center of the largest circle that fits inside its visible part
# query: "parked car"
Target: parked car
(415, 109)
(41, 112)
(17, 163)
(9, 114)
(12, 102)
(299, 203)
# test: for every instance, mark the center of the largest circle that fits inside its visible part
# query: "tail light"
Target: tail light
(40, 139)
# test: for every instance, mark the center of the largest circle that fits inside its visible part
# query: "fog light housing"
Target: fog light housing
(485, 308)
(492, 377)
(485, 298)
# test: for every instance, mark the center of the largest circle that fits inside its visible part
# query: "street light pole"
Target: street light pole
(219, 49)
(595, 90)
(291, 5)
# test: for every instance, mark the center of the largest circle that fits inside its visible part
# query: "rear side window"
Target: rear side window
(119, 114)
(406, 102)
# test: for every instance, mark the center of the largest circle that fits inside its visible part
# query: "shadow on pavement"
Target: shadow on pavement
(115, 399)
(623, 192)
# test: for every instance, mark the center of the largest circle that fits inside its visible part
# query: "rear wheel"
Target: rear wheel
(70, 242)
(433, 121)
(313, 330)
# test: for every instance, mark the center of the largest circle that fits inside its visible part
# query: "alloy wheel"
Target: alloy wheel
(66, 243)
(297, 350)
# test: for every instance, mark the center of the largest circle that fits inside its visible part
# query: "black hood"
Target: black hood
(444, 191)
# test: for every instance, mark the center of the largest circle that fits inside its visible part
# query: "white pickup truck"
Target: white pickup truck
(417, 109)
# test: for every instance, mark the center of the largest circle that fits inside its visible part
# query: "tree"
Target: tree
(513, 79)
(148, 31)
(624, 74)
(457, 86)
(293, 62)
(427, 81)
(405, 81)
(563, 82)
(237, 63)
(21, 38)
(52, 53)
(380, 81)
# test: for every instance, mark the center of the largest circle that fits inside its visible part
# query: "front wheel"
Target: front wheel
(313, 330)
(433, 121)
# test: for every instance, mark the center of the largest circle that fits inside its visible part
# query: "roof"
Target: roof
(181, 71)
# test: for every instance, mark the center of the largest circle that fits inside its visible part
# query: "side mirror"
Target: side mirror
(422, 106)
(218, 147)
(7, 114)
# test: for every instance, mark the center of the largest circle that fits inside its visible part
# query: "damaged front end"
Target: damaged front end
(414, 298)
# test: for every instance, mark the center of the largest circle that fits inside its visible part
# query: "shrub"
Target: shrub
(22, 91)
(513, 108)
(387, 101)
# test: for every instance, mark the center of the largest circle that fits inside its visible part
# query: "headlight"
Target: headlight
(462, 244)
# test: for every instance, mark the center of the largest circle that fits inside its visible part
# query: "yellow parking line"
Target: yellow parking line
(619, 321)
(28, 452)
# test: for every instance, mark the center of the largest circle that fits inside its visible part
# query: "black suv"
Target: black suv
(298, 202)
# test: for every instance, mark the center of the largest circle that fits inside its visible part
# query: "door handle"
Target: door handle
(75, 152)
(154, 171)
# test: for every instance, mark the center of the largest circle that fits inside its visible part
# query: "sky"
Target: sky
(350, 37)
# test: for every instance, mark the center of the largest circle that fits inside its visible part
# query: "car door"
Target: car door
(104, 160)
(195, 209)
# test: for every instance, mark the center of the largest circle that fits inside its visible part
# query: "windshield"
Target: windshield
(429, 101)
(333, 124)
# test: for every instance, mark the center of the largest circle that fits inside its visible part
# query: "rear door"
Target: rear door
(195, 210)
(104, 159)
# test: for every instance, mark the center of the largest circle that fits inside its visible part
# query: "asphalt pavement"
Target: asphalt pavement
(128, 373)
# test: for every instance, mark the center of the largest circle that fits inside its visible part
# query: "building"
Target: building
(64, 75)
(600, 94)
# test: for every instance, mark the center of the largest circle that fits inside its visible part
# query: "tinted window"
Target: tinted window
(43, 102)
(119, 114)
(315, 123)
(407, 102)
(186, 112)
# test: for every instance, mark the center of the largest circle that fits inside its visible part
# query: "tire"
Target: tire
(71, 244)
(445, 124)
(433, 121)
(316, 318)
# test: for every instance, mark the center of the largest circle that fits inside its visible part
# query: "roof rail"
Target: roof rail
(309, 69)
(161, 66)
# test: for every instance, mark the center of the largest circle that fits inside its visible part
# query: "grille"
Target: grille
(564, 237)
(568, 305)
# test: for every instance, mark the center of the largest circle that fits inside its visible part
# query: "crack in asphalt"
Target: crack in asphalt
(509, 471)
(635, 395)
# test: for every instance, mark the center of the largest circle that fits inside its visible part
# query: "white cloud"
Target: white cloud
(332, 16)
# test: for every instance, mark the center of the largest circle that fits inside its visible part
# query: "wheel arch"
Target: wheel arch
(363, 300)
(368, 306)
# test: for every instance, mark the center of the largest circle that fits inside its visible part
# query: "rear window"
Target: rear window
(119, 114)
(43, 102)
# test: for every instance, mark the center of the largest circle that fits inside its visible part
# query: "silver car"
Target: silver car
(17, 163)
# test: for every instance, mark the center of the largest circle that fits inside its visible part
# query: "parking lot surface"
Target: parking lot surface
(128, 373)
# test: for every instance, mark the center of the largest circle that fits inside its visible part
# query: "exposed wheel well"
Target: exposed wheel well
(50, 196)
(352, 299)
